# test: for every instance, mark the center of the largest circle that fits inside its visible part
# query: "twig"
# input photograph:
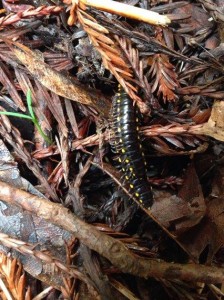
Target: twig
(129, 11)
(115, 251)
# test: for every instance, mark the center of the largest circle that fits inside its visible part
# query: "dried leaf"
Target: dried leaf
(215, 125)
(185, 210)
(57, 82)
(209, 232)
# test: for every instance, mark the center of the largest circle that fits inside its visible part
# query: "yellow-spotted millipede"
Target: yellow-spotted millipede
(129, 149)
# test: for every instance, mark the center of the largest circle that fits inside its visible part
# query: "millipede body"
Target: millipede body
(129, 149)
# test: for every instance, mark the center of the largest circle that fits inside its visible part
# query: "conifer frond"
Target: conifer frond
(110, 53)
(13, 277)
(132, 55)
(165, 77)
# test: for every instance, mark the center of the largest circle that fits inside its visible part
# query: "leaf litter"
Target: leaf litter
(174, 74)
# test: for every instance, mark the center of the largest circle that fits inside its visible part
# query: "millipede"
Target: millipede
(127, 144)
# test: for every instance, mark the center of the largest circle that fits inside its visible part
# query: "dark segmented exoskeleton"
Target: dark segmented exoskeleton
(129, 149)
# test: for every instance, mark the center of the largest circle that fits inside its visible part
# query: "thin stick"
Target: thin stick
(129, 11)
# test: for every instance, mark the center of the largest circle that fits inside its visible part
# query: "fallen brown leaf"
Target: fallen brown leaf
(215, 125)
(183, 211)
(57, 82)
(209, 233)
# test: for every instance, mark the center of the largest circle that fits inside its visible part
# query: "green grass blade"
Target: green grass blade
(44, 136)
(29, 103)
(18, 115)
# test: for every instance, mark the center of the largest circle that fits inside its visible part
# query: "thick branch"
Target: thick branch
(113, 250)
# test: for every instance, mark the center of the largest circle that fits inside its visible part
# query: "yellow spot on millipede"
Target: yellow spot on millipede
(137, 194)
(127, 161)
(131, 186)
(126, 177)
(123, 150)
(131, 169)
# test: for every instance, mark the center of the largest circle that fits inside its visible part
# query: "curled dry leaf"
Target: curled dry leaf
(208, 234)
(215, 125)
(185, 210)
